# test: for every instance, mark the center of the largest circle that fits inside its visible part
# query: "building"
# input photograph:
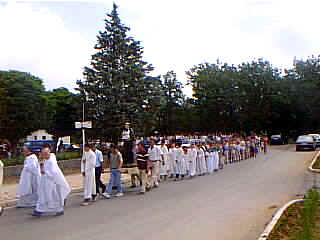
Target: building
(39, 135)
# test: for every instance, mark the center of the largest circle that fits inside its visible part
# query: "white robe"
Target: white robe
(29, 182)
(172, 160)
(89, 180)
(201, 162)
(210, 161)
(53, 189)
(181, 160)
(192, 161)
(164, 166)
(215, 160)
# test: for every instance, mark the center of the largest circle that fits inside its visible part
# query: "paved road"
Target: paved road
(235, 203)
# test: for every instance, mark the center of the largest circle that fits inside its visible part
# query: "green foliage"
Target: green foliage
(256, 96)
(64, 109)
(22, 105)
(308, 215)
(68, 155)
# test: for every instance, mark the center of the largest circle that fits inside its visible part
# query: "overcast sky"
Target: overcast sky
(54, 39)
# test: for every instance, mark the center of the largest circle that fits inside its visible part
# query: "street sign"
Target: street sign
(87, 124)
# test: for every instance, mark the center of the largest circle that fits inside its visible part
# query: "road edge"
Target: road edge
(310, 168)
(268, 229)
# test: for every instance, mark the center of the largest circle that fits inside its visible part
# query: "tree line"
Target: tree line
(118, 87)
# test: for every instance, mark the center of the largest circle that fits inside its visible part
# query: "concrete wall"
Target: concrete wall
(65, 164)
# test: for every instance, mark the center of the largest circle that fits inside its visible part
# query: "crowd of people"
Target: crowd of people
(44, 188)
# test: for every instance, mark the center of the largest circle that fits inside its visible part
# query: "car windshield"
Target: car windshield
(275, 136)
(304, 138)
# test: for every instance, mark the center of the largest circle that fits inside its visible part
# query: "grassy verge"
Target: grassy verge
(60, 156)
(316, 164)
(300, 221)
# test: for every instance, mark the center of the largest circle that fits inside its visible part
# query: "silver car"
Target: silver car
(305, 142)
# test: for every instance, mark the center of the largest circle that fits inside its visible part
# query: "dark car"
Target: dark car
(305, 142)
(278, 140)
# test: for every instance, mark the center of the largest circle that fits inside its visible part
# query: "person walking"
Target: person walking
(155, 156)
(192, 160)
(98, 170)
(88, 165)
(29, 180)
(164, 165)
(116, 162)
(143, 163)
(53, 188)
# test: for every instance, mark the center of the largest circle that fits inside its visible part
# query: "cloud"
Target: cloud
(175, 35)
(37, 41)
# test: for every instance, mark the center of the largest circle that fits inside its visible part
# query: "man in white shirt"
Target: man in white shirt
(155, 156)
(98, 170)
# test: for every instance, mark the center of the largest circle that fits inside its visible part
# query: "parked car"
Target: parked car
(316, 138)
(305, 142)
(71, 148)
(36, 145)
(278, 139)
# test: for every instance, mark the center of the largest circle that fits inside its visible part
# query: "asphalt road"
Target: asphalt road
(235, 203)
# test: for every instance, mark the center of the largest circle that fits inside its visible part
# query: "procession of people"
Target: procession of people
(43, 187)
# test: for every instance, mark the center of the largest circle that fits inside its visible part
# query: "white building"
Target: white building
(39, 135)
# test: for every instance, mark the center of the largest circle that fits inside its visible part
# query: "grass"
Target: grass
(300, 221)
(60, 156)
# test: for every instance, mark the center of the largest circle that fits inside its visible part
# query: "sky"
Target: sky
(54, 40)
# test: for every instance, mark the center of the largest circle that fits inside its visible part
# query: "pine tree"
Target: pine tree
(115, 84)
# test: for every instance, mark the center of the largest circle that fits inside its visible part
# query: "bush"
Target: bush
(68, 155)
(60, 156)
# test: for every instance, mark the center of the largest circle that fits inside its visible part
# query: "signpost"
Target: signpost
(83, 126)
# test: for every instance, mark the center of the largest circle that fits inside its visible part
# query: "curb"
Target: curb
(312, 163)
(13, 202)
(275, 219)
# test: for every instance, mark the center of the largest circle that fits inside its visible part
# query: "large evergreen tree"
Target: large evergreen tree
(115, 85)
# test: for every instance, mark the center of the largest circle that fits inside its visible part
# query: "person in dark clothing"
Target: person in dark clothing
(98, 170)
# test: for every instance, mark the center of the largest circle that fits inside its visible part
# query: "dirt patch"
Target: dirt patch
(316, 164)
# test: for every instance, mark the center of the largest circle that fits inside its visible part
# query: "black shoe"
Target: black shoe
(148, 189)
(36, 213)
(60, 213)
(133, 186)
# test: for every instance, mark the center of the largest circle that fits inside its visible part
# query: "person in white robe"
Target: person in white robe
(164, 164)
(181, 168)
(215, 157)
(192, 160)
(172, 160)
(29, 180)
(53, 188)
(1, 179)
(210, 159)
(88, 165)
(201, 161)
